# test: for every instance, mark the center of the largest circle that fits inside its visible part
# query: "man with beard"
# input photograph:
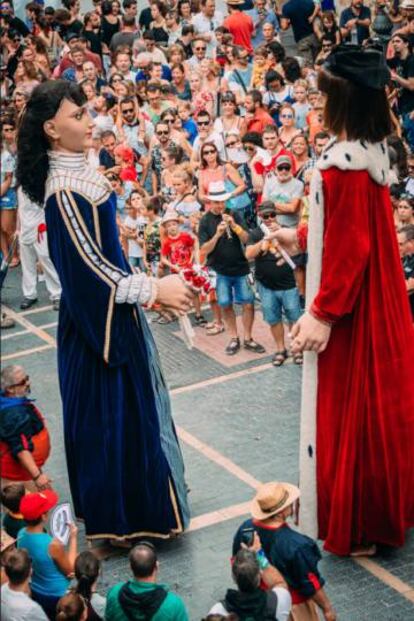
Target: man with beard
(354, 22)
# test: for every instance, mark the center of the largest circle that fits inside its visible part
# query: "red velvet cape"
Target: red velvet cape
(365, 406)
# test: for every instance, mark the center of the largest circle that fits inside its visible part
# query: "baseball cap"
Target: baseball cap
(283, 159)
(32, 506)
(266, 206)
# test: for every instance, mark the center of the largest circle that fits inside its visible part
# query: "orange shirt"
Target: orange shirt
(259, 121)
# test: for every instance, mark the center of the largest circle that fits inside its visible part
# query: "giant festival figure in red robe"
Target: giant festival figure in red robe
(357, 424)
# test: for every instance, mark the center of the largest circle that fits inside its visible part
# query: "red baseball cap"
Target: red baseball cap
(32, 506)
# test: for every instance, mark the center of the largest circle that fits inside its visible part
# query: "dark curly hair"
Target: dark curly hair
(32, 143)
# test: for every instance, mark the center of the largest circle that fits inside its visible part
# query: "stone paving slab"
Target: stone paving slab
(251, 420)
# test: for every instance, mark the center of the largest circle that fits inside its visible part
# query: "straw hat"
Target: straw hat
(217, 192)
(272, 498)
(234, 2)
(169, 216)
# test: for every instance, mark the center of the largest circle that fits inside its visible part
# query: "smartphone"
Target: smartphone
(247, 536)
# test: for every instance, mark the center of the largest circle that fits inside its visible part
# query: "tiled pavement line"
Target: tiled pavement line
(45, 326)
(226, 513)
(386, 577)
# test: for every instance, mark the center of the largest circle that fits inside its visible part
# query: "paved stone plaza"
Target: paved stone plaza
(238, 420)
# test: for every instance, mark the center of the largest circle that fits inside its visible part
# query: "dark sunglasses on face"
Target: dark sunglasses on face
(209, 152)
(231, 144)
(203, 123)
(164, 132)
(128, 111)
(269, 216)
(200, 49)
(285, 167)
(248, 148)
(169, 120)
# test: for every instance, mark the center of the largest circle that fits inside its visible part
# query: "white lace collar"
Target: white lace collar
(357, 155)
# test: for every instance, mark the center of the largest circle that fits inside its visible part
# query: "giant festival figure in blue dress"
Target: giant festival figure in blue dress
(124, 462)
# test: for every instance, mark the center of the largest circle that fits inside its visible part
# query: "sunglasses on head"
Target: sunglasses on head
(268, 216)
(21, 383)
(285, 167)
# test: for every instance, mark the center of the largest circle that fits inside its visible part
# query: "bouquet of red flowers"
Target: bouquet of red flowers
(197, 279)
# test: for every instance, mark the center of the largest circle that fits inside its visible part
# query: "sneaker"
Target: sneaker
(7, 322)
(200, 320)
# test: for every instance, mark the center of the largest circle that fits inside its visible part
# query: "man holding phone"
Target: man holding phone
(221, 236)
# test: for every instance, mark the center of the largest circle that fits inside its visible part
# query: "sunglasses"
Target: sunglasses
(231, 144)
(269, 216)
(209, 152)
(284, 167)
(203, 123)
(128, 111)
(168, 121)
(200, 49)
(111, 178)
(21, 383)
(247, 148)
(163, 133)
(116, 80)
(286, 116)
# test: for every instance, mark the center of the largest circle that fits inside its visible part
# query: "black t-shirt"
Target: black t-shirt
(298, 13)
(228, 257)
(267, 271)
(408, 266)
(145, 18)
(16, 23)
(94, 40)
(405, 69)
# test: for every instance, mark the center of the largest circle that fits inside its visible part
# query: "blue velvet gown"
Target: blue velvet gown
(124, 462)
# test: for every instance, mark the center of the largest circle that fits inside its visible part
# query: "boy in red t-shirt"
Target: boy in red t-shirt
(178, 252)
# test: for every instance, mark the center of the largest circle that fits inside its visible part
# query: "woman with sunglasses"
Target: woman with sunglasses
(229, 118)
(287, 131)
(212, 169)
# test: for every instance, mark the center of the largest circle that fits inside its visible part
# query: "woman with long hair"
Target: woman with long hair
(179, 83)
(287, 130)
(8, 195)
(212, 169)
(229, 118)
(303, 161)
(87, 570)
(357, 428)
(71, 607)
(158, 26)
(119, 436)
(201, 98)
(26, 76)
(110, 22)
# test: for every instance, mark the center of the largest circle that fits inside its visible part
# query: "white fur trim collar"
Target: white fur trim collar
(357, 155)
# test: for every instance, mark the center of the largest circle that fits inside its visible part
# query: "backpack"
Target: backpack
(271, 607)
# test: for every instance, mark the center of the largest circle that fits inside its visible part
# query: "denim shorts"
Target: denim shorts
(233, 289)
(274, 302)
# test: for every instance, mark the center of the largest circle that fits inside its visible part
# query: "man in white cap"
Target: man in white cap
(221, 236)
(296, 556)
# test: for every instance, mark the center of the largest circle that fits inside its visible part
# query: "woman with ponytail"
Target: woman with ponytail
(71, 607)
(87, 569)
(125, 466)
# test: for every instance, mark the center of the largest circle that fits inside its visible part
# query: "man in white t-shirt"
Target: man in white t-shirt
(16, 603)
(284, 191)
(206, 133)
(250, 566)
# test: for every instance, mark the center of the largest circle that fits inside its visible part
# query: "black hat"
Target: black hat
(365, 67)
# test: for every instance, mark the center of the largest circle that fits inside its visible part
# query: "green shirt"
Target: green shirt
(172, 608)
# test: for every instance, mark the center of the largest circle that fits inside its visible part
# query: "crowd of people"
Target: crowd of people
(208, 131)
(200, 121)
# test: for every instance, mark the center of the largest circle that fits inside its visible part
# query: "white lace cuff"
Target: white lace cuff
(135, 288)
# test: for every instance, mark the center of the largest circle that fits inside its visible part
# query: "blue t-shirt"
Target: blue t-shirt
(165, 75)
(190, 126)
(47, 579)
(298, 13)
(258, 21)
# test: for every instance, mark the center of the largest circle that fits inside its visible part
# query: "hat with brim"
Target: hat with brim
(234, 2)
(170, 216)
(272, 498)
(33, 506)
(217, 192)
(266, 207)
(408, 5)
(364, 67)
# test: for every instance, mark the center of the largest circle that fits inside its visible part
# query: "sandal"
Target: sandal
(233, 346)
(215, 329)
(279, 358)
(298, 358)
(200, 320)
(254, 347)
